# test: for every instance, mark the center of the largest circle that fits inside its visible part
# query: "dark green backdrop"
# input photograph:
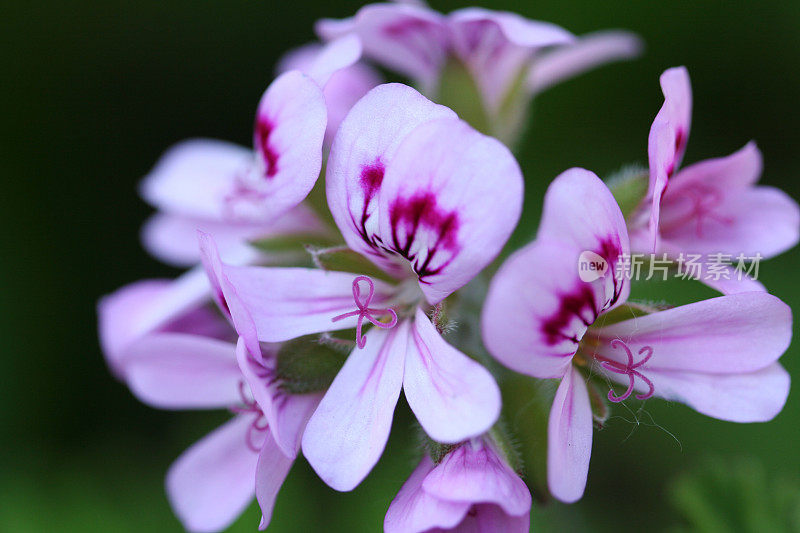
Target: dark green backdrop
(92, 92)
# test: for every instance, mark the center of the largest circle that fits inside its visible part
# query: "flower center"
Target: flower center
(702, 201)
(630, 369)
(365, 311)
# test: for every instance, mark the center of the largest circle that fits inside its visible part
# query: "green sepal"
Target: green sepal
(622, 312)
(458, 91)
(599, 404)
(514, 112)
(288, 244)
(343, 259)
(306, 365)
(527, 403)
(437, 451)
(317, 199)
(507, 445)
(629, 187)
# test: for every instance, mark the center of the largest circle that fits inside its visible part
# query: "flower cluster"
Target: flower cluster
(306, 318)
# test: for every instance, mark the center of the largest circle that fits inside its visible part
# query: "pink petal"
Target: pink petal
(213, 481)
(489, 517)
(734, 284)
(227, 296)
(286, 414)
(146, 306)
(289, 130)
(173, 238)
(757, 222)
(409, 39)
(337, 55)
(588, 52)
(193, 178)
(517, 30)
(475, 473)
(344, 88)
(362, 151)
(179, 371)
(538, 309)
(348, 432)
(668, 136)
(726, 335)
(449, 213)
(723, 278)
(497, 46)
(580, 210)
(413, 509)
(286, 303)
(713, 207)
(747, 397)
(737, 171)
(453, 397)
(271, 471)
(569, 438)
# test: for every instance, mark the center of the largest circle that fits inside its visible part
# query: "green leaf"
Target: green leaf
(305, 365)
(343, 259)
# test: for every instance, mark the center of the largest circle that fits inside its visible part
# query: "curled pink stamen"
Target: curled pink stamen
(364, 311)
(259, 424)
(630, 369)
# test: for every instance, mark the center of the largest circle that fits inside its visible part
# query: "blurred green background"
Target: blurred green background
(93, 91)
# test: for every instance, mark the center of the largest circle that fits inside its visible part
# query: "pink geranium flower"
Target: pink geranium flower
(345, 87)
(498, 48)
(472, 489)
(430, 201)
(233, 193)
(156, 306)
(710, 207)
(211, 483)
(717, 356)
(237, 194)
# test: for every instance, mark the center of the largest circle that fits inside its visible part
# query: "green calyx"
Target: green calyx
(629, 187)
(308, 364)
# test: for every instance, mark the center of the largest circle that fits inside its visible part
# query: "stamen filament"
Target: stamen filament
(364, 311)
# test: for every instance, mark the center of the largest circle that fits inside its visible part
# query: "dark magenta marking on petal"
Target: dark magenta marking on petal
(264, 129)
(680, 140)
(610, 250)
(581, 303)
(573, 305)
(418, 212)
(680, 144)
(370, 179)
